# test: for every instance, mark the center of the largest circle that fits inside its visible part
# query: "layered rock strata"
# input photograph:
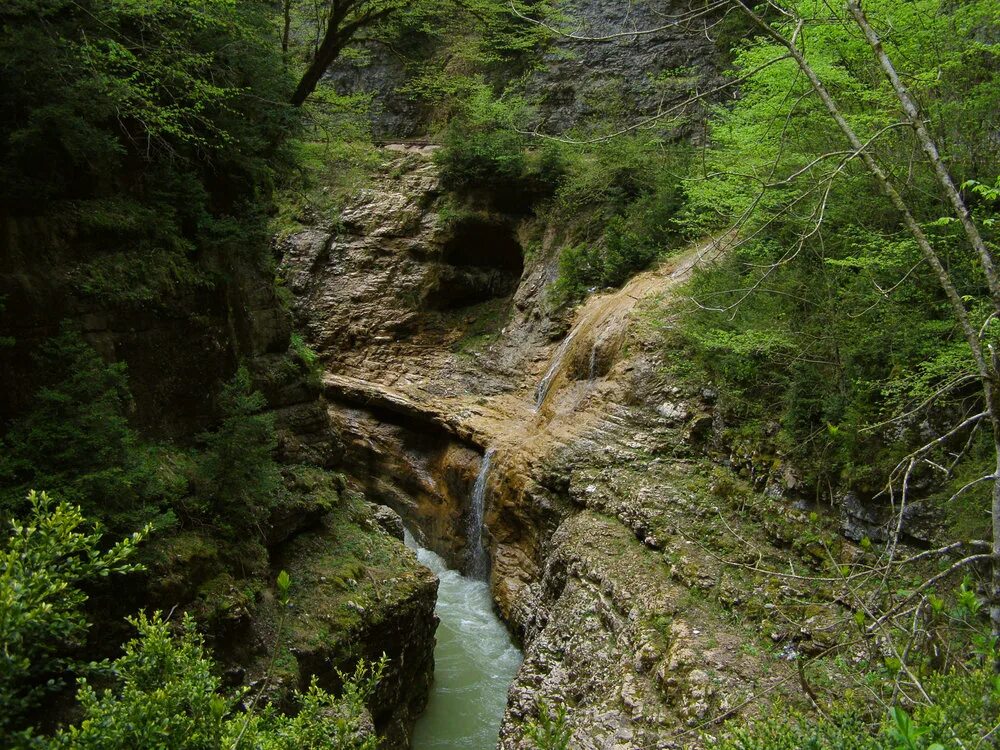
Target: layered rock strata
(596, 481)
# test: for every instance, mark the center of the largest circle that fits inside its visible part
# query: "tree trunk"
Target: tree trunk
(930, 149)
(287, 26)
(995, 587)
(310, 79)
(987, 372)
(975, 239)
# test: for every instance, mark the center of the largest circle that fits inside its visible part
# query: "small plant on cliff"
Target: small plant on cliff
(238, 469)
(44, 562)
(307, 357)
(550, 731)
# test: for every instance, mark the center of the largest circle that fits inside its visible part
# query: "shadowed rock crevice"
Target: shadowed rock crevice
(415, 467)
(484, 243)
(480, 260)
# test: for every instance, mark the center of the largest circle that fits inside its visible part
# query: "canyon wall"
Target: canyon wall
(179, 349)
(600, 495)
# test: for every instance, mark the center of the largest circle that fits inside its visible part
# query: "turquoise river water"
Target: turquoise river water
(474, 664)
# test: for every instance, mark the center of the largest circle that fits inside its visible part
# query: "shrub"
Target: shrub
(965, 709)
(481, 147)
(238, 475)
(477, 157)
(168, 696)
(43, 564)
(620, 200)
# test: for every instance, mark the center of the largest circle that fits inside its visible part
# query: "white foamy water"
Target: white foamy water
(474, 663)
(479, 561)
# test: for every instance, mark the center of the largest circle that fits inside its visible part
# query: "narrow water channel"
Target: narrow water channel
(474, 664)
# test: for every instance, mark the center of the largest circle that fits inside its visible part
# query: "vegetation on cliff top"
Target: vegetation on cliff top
(849, 327)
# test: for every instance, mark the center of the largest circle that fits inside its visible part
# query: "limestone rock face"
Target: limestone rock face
(638, 74)
(389, 293)
(597, 481)
(422, 473)
(178, 351)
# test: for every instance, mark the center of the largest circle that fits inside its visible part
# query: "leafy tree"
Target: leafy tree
(149, 131)
(340, 24)
(847, 89)
(341, 21)
(76, 438)
(238, 469)
(482, 150)
(44, 562)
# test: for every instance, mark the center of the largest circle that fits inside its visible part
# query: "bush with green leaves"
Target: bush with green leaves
(168, 695)
(482, 150)
(238, 476)
(149, 131)
(45, 562)
(962, 712)
(619, 201)
(825, 320)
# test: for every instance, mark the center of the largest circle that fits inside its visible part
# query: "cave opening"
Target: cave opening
(481, 260)
(484, 242)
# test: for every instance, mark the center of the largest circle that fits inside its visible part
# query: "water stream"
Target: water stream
(474, 664)
(479, 560)
(543, 388)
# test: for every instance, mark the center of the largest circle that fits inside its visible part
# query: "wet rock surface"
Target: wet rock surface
(598, 489)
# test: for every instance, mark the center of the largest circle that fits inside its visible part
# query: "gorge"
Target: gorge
(569, 539)
(499, 375)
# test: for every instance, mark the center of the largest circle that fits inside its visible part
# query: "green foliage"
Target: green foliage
(330, 160)
(619, 200)
(149, 130)
(238, 473)
(964, 709)
(824, 320)
(44, 563)
(167, 692)
(168, 696)
(75, 439)
(550, 731)
(307, 357)
(482, 149)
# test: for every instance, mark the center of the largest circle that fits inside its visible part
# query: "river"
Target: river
(474, 664)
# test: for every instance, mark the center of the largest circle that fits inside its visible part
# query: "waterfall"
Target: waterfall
(479, 562)
(593, 362)
(543, 387)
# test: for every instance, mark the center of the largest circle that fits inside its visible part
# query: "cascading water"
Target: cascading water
(543, 388)
(474, 664)
(478, 560)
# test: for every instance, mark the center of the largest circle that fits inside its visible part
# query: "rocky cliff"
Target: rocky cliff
(604, 75)
(609, 558)
(359, 592)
